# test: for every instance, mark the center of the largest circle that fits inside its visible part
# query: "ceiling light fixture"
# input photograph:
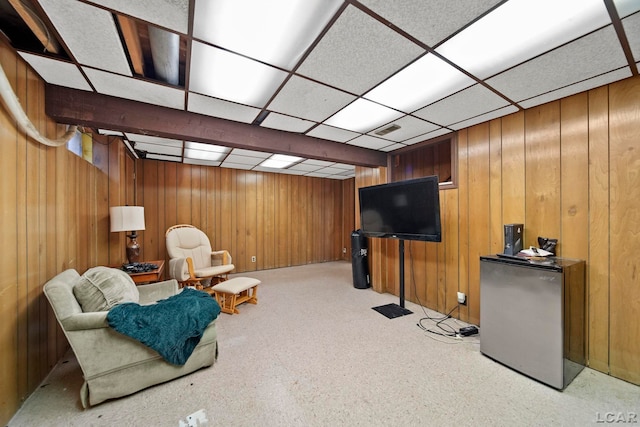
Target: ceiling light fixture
(286, 28)
(519, 30)
(362, 116)
(280, 161)
(232, 77)
(425, 81)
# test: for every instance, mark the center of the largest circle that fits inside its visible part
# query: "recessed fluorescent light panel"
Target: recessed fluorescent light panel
(519, 30)
(232, 77)
(196, 150)
(423, 82)
(280, 161)
(362, 116)
(276, 32)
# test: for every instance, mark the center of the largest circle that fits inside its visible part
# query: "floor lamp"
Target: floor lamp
(128, 218)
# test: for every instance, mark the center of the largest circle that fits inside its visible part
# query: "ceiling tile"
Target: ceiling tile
(321, 163)
(304, 98)
(250, 153)
(344, 166)
(242, 160)
(582, 86)
(632, 30)
(626, 7)
(430, 21)
(393, 147)
(57, 72)
(427, 136)
(220, 108)
(367, 141)
(330, 170)
(135, 89)
(304, 167)
(286, 123)
(332, 133)
(171, 14)
(594, 54)
(236, 166)
(90, 33)
(485, 117)
(467, 103)
(372, 47)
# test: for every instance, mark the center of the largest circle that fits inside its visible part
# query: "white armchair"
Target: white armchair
(191, 259)
(114, 365)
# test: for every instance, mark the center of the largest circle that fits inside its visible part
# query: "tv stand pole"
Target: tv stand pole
(395, 310)
(401, 250)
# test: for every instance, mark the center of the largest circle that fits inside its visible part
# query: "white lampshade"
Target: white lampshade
(127, 218)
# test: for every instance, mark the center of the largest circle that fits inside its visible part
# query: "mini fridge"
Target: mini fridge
(532, 316)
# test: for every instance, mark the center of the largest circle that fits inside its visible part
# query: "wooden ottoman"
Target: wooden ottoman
(235, 291)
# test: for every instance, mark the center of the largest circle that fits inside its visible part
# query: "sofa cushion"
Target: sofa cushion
(101, 288)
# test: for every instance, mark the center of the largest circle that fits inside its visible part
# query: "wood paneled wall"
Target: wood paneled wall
(54, 217)
(282, 220)
(568, 169)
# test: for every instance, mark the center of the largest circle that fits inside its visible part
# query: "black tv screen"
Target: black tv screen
(408, 210)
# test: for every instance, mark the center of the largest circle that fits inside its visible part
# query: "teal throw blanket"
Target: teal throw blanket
(172, 326)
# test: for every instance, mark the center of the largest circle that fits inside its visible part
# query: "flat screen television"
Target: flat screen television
(407, 210)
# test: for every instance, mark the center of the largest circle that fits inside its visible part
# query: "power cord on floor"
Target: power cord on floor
(446, 330)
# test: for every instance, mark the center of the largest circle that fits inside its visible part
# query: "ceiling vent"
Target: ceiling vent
(388, 129)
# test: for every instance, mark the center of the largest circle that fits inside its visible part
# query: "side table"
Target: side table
(148, 276)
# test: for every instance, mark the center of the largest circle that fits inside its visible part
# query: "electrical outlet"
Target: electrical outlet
(462, 298)
(344, 250)
(253, 258)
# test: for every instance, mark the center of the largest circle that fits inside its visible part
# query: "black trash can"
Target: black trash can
(359, 260)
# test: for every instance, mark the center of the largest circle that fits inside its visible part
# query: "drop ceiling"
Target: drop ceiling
(372, 74)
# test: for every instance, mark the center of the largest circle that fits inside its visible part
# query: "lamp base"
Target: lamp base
(133, 249)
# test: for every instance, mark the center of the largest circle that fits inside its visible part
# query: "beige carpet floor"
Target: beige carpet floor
(314, 353)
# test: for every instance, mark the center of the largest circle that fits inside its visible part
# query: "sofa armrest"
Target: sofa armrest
(222, 257)
(157, 291)
(84, 321)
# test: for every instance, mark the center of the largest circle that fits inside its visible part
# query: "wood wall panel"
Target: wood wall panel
(52, 217)
(464, 259)
(599, 255)
(9, 372)
(479, 212)
(624, 154)
(280, 219)
(496, 230)
(567, 169)
(513, 169)
(542, 174)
